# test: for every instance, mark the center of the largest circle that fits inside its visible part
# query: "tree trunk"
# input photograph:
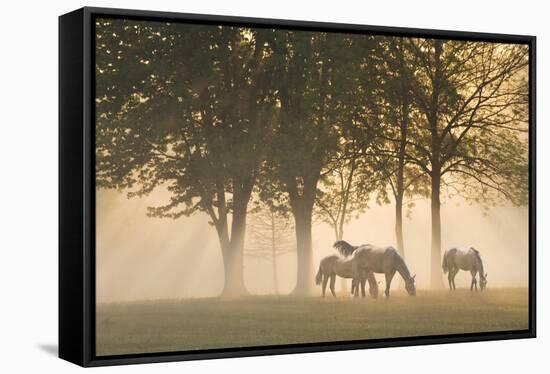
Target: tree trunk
(233, 271)
(398, 283)
(232, 249)
(304, 278)
(275, 278)
(274, 256)
(343, 281)
(436, 281)
(403, 130)
(399, 231)
(399, 223)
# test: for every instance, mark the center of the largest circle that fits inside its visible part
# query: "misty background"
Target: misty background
(142, 258)
(211, 123)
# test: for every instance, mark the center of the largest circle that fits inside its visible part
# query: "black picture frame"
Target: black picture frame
(77, 189)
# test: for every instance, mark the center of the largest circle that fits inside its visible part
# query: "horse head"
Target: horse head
(482, 281)
(410, 287)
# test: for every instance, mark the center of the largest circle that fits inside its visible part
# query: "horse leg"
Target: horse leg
(332, 281)
(325, 280)
(452, 275)
(455, 272)
(373, 285)
(389, 276)
(474, 282)
(355, 279)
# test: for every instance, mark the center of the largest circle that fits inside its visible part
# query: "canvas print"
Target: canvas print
(260, 186)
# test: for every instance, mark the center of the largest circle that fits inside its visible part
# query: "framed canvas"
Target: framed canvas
(235, 186)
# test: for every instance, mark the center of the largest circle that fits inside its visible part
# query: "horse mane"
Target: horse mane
(401, 261)
(477, 255)
(479, 259)
(344, 247)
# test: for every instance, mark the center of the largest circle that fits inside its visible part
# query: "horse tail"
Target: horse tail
(444, 264)
(319, 276)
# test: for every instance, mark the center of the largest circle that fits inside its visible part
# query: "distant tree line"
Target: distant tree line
(307, 123)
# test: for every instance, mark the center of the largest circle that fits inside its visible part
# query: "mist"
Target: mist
(144, 258)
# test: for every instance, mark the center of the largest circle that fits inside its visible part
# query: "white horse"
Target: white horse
(383, 260)
(468, 259)
(333, 265)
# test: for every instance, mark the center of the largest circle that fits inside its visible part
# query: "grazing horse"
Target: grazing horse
(468, 259)
(331, 266)
(383, 260)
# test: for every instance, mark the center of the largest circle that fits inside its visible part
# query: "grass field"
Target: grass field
(175, 325)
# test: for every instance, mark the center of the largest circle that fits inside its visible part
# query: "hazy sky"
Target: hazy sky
(151, 258)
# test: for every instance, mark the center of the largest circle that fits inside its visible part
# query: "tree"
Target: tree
(372, 127)
(184, 108)
(204, 111)
(339, 197)
(350, 175)
(343, 194)
(399, 114)
(469, 94)
(269, 235)
(303, 138)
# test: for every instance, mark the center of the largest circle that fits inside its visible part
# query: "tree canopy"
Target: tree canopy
(308, 122)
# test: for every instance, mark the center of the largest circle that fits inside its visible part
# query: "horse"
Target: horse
(333, 265)
(384, 260)
(468, 259)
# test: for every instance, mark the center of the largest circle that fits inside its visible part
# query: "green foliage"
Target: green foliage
(301, 120)
(472, 101)
(182, 107)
